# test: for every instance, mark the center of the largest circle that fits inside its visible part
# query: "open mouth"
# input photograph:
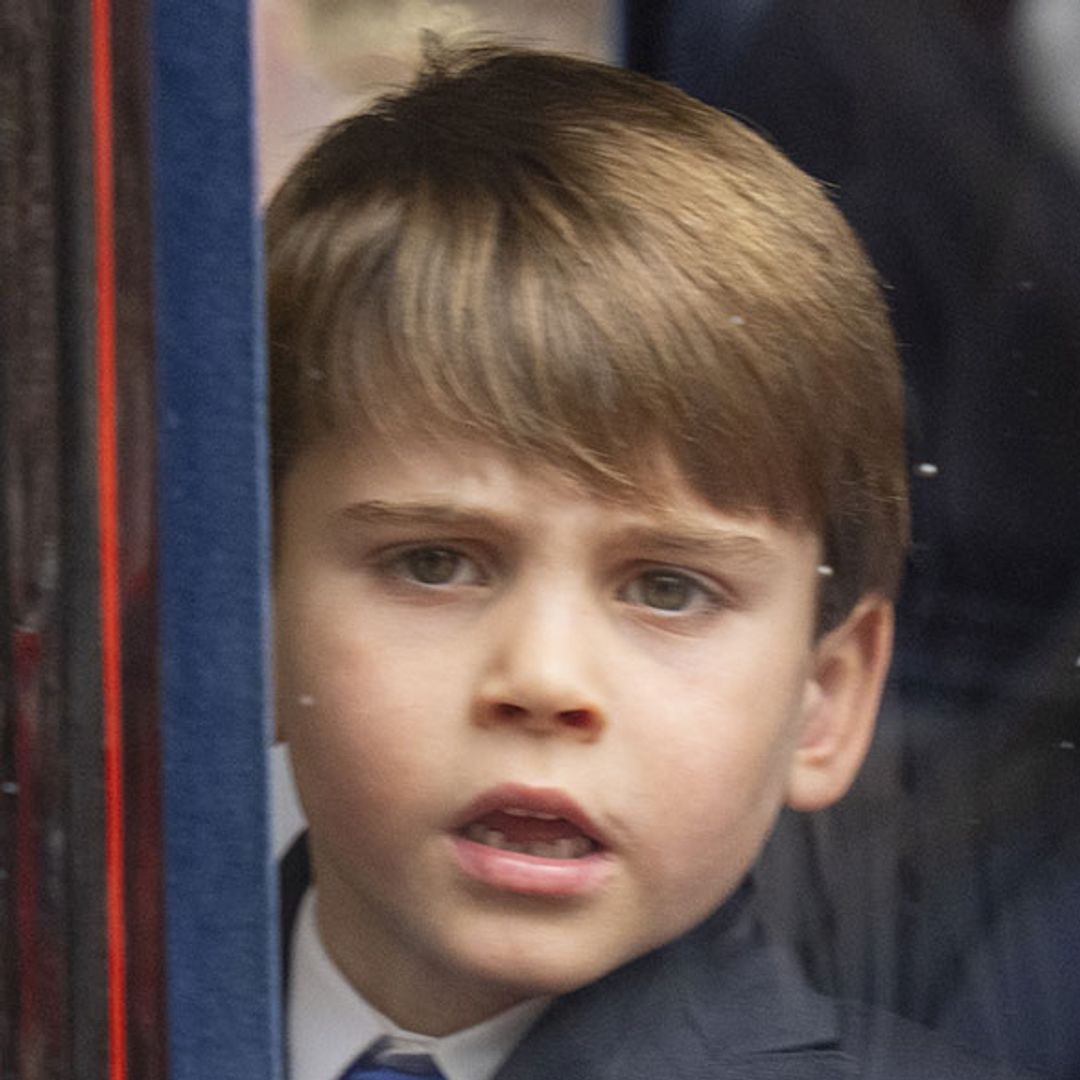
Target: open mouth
(525, 831)
(532, 841)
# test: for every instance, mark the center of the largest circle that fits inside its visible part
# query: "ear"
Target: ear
(840, 704)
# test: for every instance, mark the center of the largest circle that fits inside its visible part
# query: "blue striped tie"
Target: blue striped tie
(392, 1066)
(371, 1071)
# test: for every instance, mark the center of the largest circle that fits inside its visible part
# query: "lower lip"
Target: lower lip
(529, 875)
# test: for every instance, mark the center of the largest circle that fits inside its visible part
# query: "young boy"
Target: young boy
(590, 497)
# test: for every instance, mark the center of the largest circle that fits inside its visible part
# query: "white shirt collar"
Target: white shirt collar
(330, 1024)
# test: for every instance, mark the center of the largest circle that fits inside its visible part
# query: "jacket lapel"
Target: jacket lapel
(294, 877)
(720, 1002)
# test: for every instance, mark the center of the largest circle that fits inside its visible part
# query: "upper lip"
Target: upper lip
(538, 800)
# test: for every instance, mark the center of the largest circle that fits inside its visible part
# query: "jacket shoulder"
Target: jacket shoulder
(889, 1047)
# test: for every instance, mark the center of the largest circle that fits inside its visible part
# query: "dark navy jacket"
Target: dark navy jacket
(719, 1003)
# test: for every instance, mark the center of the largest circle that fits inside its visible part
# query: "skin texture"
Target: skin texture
(450, 620)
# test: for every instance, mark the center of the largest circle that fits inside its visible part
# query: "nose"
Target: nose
(542, 670)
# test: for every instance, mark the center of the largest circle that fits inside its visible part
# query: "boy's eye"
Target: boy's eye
(437, 566)
(665, 590)
(431, 566)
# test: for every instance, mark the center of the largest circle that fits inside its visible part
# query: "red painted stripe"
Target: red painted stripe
(108, 517)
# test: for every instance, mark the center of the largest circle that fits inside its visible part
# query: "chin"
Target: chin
(547, 964)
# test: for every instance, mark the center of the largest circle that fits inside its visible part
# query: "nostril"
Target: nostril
(576, 718)
(548, 720)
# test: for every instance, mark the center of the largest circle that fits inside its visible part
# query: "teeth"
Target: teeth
(567, 847)
(579, 846)
(489, 837)
(574, 847)
(517, 811)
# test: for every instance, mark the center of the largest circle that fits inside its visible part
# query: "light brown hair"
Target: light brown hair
(581, 265)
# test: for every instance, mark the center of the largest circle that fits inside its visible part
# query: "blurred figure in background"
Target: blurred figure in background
(950, 132)
(320, 60)
(1045, 36)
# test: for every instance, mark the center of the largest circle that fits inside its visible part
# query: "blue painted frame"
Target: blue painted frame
(223, 999)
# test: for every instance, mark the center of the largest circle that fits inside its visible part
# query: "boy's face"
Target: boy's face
(535, 733)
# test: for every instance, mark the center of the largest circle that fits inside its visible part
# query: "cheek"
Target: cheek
(712, 795)
(715, 777)
(713, 829)
(348, 733)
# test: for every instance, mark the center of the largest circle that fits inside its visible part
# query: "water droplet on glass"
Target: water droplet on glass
(1066, 744)
(315, 375)
(737, 320)
(825, 570)
(306, 700)
(926, 468)
(9, 787)
(1026, 285)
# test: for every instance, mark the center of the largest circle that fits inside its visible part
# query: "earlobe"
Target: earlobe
(840, 705)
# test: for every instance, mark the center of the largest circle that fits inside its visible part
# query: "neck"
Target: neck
(418, 996)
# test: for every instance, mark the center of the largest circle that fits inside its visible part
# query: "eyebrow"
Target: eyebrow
(377, 512)
(717, 542)
(674, 538)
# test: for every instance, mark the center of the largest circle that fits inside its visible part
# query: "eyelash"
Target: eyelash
(395, 564)
(704, 596)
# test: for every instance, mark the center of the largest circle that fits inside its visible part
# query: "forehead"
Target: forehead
(448, 482)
